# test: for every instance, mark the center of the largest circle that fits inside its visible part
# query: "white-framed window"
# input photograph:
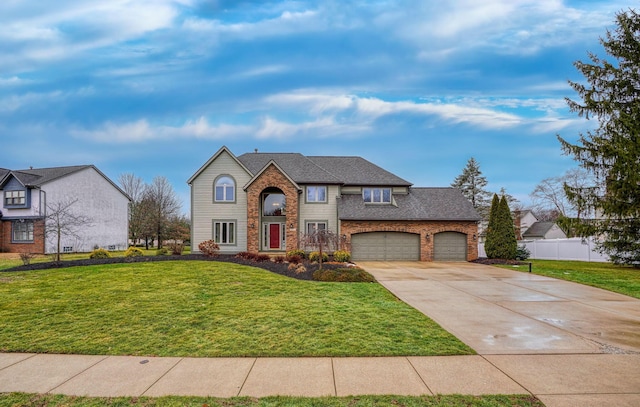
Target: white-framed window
(317, 193)
(12, 198)
(314, 226)
(376, 195)
(225, 189)
(224, 231)
(22, 231)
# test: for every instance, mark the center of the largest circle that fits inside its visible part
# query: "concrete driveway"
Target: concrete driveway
(499, 311)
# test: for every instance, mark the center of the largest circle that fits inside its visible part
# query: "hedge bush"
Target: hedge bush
(133, 252)
(345, 275)
(341, 256)
(315, 257)
(297, 252)
(100, 254)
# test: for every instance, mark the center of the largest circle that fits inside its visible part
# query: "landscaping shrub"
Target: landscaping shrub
(341, 256)
(246, 255)
(262, 257)
(99, 254)
(345, 274)
(296, 252)
(162, 251)
(279, 259)
(294, 259)
(300, 268)
(26, 258)
(175, 248)
(315, 257)
(209, 248)
(133, 252)
(522, 253)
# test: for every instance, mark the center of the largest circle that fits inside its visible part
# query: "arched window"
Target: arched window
(225, 189)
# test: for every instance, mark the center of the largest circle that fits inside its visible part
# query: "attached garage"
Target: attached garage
(385, 246)
(450, 246)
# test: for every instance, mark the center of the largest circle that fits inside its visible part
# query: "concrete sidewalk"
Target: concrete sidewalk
(557, 380)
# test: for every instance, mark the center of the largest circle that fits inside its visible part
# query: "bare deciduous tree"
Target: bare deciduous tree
(61, 221)
(163, 204)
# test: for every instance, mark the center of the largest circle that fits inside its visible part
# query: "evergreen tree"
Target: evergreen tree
(501, 237)
(611, 94)
(472, 183)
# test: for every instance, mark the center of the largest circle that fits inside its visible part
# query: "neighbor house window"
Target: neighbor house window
(15, 198)
(23, 231)
(225, 189)
(67, 249)
(224, 232)
(316, 194)
(313, 227)
(376, 195)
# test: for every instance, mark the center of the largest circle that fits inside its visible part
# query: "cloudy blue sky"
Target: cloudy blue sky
(155, 87)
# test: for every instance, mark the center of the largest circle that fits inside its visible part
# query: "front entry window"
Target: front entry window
(274, 204)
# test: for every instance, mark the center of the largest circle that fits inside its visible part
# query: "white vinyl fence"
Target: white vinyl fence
(558, 249)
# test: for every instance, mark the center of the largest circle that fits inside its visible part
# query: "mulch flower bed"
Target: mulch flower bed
(279, 268)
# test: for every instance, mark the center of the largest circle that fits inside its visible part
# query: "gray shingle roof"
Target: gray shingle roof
(298, 167)
(39, 176)
(538, 229)
(358, 171)
(324, 170)
(419, 204)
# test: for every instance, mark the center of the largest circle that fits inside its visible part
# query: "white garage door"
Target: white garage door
(450, 246)
(385, 246)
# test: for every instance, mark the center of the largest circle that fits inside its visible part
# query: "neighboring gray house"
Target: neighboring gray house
(529, 228)
(29, 196)
(265, 202)
(544, 230)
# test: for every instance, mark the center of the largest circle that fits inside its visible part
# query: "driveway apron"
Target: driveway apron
(500, 311)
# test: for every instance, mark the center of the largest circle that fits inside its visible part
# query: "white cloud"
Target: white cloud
(141, 131)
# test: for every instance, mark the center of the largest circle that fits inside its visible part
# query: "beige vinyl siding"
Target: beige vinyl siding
(351, 190)
(329, 210)
(400, 190)
(205, 210)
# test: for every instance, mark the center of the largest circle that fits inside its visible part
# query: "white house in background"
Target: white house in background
(529, 228)
(28, 197)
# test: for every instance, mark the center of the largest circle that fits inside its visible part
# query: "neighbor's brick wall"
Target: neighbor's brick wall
(422, 228)
(36, 247)
(271, 178)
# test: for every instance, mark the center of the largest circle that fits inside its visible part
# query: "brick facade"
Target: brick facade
(271, 177)
(37, 246)
(426, 230)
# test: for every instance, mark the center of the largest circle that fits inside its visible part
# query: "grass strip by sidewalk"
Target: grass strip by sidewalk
(50, 400)
(207, 309)
(619, 279)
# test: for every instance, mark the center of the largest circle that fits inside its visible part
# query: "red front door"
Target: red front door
(274, 236)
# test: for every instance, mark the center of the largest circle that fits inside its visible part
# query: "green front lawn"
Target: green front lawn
(203, 308)
(49, 400)
(620, 279)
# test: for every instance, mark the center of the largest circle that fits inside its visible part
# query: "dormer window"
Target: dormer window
(376, 195)
(15, 198)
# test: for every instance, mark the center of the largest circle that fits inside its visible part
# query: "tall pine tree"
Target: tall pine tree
(472, 183)
(611, 95)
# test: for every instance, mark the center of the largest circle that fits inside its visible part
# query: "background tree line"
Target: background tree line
(154, 212)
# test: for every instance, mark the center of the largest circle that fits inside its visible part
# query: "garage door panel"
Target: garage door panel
(450, 246)
(385, 246)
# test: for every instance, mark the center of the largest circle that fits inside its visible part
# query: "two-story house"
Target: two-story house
(31, 197)
(265, 202)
